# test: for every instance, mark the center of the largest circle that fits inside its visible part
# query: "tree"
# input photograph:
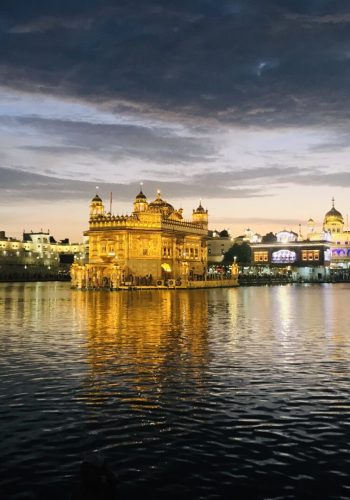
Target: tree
(269, 238)
(242, 253)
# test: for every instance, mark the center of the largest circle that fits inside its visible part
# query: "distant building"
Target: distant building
(248, 237)
(38, 248)
(334, 232)
(309, 260)
(219, 242)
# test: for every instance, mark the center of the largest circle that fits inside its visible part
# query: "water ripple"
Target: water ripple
(190, 394)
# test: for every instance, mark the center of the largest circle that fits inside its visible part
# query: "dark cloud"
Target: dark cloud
(264, 62)
(20, 184)
(117, 142)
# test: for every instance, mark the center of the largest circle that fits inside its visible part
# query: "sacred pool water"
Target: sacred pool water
(228, 393)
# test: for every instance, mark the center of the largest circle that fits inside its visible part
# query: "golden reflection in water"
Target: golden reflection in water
(150, 338)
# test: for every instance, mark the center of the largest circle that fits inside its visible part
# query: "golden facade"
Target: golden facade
(153, 245)
(117, 329)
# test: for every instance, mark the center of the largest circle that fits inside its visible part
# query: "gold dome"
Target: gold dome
(333, 217)
(141, 196)
(199, 209)
(160, 205)
(96, 198)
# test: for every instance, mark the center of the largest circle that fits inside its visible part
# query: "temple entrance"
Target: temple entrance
(166, 271)
(106, 282)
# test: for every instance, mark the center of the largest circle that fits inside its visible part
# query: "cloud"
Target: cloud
(265, 63)
(116, 142)
(336, 141)
(223, 100)
(23, 185)
(256, 221)
(336, 179)
(20, 184)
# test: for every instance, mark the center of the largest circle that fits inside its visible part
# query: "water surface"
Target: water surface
(231, 393)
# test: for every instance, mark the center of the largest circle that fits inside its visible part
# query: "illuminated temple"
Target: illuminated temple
(154, 245)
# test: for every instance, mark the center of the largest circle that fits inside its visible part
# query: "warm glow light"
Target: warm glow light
(166, 267)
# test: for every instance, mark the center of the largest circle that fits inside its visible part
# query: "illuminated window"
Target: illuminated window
(310, 255)
(261, 256)
(283, 257)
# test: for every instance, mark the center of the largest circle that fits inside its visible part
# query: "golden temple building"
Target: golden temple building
(154, 245)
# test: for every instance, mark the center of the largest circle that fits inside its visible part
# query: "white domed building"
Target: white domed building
(334, 231)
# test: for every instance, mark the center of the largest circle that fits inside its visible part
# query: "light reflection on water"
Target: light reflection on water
(187, 393)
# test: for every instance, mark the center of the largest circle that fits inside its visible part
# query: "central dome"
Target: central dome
(160, 205)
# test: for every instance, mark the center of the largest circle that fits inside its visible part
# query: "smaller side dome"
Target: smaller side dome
(200, 215)
(96, 206)
(199, 209)
(141, 196)
(140, 203)
(96, 198)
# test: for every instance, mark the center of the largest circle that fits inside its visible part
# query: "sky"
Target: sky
(243, 105)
